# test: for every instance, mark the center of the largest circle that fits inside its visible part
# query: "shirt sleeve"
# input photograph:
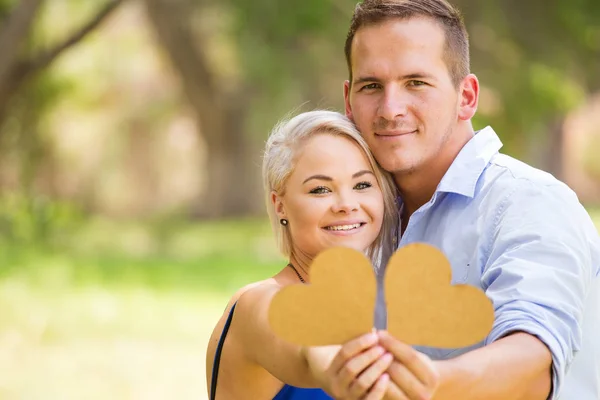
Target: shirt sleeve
(540, 269)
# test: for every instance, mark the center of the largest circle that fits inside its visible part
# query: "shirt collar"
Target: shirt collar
(469, 164)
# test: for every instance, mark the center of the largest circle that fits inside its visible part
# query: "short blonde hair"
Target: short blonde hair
(281, 150)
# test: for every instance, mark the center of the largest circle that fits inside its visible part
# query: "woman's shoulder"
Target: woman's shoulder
(247, 300)
(254, 297)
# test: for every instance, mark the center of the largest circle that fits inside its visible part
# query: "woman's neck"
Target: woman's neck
(301, 263)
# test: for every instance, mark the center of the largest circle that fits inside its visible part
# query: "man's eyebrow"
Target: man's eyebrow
(372, 79)
(417, 75)
(364, 79)
(318, 177)
(361, 173)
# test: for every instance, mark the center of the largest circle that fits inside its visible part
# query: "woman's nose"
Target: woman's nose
(346, 203)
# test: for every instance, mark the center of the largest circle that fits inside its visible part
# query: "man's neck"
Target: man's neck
(418, 186)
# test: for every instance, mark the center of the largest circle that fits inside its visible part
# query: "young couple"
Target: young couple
(405, 165)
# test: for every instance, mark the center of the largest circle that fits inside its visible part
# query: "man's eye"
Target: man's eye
(363, 185)
(370, 86)
(320, 190)
(416, 83)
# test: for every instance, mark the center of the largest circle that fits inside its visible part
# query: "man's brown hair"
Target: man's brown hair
(456, 52)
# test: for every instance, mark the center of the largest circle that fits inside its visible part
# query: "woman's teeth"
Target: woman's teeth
(343, 227)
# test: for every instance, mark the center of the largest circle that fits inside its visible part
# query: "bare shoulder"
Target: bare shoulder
(248, 298)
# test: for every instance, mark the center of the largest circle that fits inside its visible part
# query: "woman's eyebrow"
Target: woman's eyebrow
(330, 179)
(361, 173)
(318, 177)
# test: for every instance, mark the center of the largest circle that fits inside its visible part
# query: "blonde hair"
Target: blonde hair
(281, 150)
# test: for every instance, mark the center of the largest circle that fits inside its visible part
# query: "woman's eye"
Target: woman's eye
(320, 190)
(363, 185)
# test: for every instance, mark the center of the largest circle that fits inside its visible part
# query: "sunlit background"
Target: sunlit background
(131, 132)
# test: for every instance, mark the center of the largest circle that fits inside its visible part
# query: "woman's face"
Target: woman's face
(331, 198)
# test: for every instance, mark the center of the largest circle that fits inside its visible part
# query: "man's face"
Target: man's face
(402, 98)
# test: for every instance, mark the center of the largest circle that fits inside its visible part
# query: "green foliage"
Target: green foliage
(5, 7)
(219, 256)
(36, 221)
(540, 65)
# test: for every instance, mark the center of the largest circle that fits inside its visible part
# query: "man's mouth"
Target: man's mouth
(394, 133)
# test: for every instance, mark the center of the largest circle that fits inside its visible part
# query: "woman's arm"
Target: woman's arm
(325, 367)
(285, 361)
(299, 366)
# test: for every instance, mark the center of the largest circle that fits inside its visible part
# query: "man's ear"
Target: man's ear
(277, 202)
(347, 99)
(469, 97)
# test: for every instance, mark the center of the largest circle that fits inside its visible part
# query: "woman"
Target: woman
(323, 189)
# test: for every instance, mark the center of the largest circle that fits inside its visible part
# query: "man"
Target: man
(512, 230)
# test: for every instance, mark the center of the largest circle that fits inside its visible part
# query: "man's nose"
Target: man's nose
(393, 103)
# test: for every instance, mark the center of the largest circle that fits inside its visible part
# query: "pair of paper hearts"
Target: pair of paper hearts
(422, 307)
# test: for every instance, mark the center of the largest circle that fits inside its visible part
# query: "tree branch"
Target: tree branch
(15, 30)
(43, 59)
(17, 72)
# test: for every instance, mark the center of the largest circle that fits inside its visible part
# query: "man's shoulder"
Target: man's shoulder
(506, 175)
(512, 186)
(519, 170)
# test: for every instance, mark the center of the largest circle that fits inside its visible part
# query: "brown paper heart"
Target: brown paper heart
(424, 309)
(337, 306)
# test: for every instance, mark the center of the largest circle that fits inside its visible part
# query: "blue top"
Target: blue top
(522, 236)
(286, 393)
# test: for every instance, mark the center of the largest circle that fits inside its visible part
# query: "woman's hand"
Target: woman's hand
(413, 375)
(357, 371)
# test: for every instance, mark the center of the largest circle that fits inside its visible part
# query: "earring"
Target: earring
(283, 221)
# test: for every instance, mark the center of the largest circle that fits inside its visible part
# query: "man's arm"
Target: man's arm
(515, 367)
(541, 257)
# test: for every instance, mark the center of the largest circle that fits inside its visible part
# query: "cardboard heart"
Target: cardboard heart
(424, 309)
(337, 306)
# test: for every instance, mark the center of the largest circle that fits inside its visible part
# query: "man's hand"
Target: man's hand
(357, 371)
(413, 376)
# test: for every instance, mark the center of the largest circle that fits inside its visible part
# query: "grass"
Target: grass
(123, 310)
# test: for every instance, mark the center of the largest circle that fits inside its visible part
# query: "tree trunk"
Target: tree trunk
(13, 34)
(232, 177)
(553, 161)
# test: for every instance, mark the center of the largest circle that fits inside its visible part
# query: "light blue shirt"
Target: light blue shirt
(522, 236)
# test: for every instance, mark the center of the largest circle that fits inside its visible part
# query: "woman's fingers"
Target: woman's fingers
(363, 383)
(418, 365)
(379, 388)
(356, 365)
(351, 349)
(410, 385)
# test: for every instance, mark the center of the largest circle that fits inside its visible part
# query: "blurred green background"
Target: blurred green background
(131, 132)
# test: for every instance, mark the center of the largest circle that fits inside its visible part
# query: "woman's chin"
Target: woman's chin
(354, 244)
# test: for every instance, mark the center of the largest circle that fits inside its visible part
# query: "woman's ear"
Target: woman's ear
(277, 201)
